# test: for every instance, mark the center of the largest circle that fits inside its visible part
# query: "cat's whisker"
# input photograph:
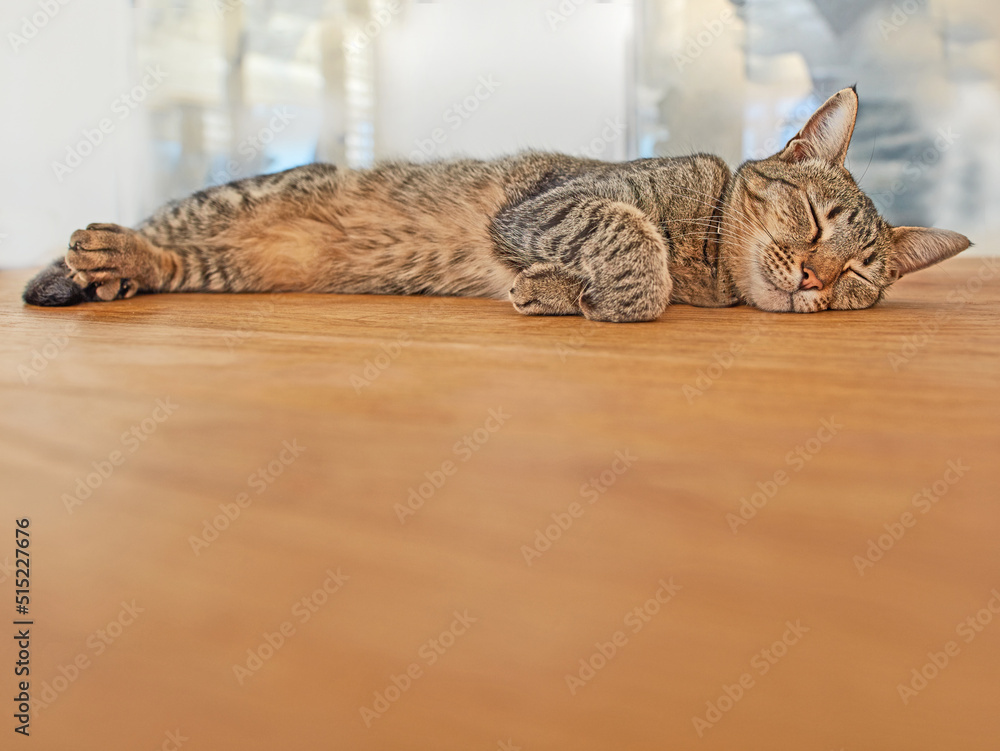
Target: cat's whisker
(740, 222)
(709, 222)
(707, 231)
(713, 202)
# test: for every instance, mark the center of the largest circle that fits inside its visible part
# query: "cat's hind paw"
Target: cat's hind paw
(55, 287)
(107, 260)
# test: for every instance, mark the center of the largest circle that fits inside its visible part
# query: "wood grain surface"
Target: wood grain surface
(391, 524)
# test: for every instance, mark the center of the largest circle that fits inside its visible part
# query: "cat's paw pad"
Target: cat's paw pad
(106, 259)
(544, 289)
(116, 289)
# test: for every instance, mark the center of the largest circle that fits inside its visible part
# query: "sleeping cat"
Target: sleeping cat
(557, 235)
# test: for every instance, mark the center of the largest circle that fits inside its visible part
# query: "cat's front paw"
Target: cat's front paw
(544, 289)
(108, 260)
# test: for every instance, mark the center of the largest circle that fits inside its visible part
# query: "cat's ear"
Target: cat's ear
(915, 248)
(828, 133)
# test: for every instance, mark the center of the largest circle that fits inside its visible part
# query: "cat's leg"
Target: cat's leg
(116, 262)
(229, 238)
(104, 262)
(109, 262)
(611, 247)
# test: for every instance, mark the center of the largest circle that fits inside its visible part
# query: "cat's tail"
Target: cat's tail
(53, 287)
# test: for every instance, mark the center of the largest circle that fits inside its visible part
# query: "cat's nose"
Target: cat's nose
(809, 279)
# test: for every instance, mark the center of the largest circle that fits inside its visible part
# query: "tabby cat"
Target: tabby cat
(558, 235)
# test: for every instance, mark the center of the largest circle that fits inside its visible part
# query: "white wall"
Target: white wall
(557, 74)
(56, 85)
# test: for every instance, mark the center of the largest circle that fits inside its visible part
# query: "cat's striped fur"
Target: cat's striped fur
(555, 234)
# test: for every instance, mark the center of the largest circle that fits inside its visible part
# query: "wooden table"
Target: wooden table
(304, 522)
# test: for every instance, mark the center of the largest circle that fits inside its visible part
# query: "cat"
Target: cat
(557, 235)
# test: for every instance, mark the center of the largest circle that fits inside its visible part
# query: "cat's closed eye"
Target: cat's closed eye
(815, 219)
(859, 275)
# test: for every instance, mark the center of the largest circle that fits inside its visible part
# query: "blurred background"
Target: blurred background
(113, 107)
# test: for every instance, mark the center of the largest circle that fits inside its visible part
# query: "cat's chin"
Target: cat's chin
(760, 292)
(809, 302)
(768, 297)
(771, 299)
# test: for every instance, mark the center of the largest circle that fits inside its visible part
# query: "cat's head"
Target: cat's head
(800, 235)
